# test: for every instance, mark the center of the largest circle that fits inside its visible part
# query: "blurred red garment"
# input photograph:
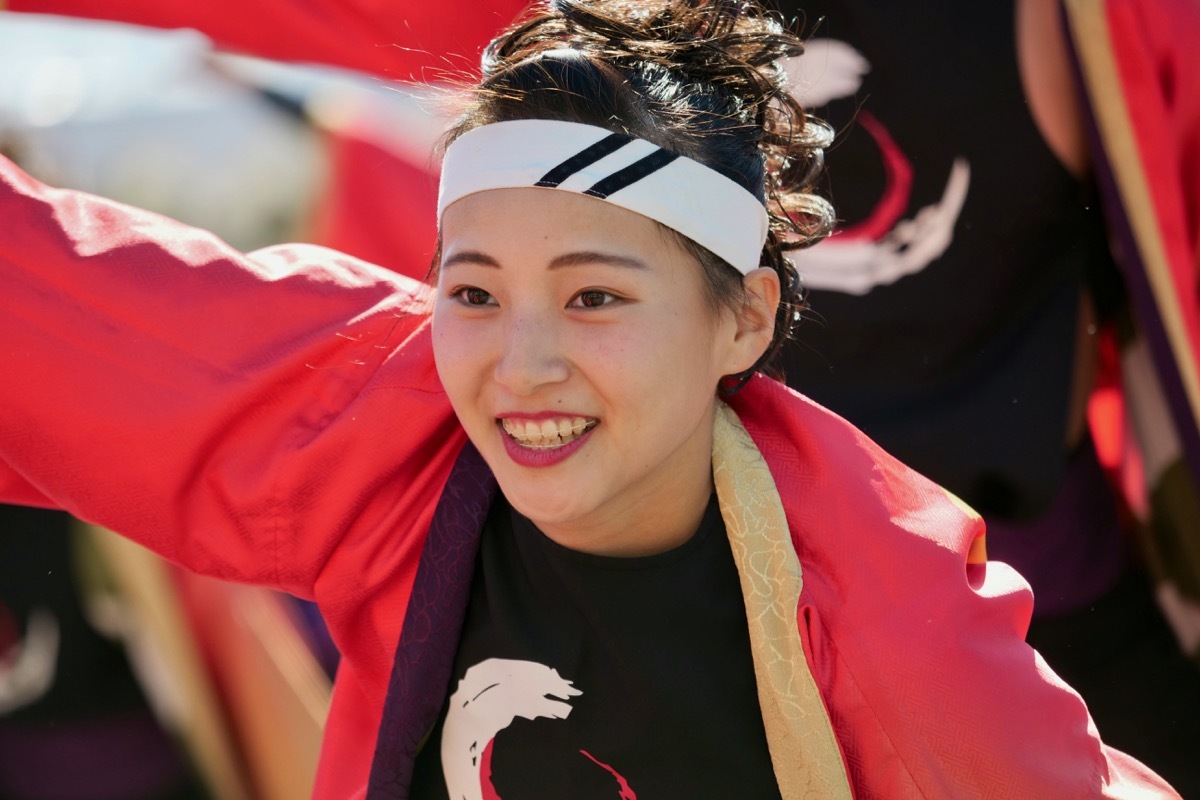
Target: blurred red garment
(380, 201)
(401, 40)
(378, 205)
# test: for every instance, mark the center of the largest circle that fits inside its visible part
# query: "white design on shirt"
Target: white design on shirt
(27, 670)
(490, 696)
(856, 266)
(831, 69)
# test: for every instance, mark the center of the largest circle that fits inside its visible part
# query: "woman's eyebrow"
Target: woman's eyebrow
(558, 262)
(592, 257)
(471, 257)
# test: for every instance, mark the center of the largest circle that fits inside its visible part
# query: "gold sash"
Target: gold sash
(804, 752)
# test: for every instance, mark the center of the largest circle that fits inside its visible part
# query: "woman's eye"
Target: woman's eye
(592, 298)
(473, 296)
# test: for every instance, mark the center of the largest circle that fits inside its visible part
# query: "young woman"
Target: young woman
(568, 541)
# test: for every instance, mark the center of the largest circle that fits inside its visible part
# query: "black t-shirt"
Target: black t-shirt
(596, 677)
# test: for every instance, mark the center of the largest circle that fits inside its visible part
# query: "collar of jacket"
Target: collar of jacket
(804, 751)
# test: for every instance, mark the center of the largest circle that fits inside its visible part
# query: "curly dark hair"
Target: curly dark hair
(697, 77)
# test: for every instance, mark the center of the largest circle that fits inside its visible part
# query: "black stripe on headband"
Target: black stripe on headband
(584, 158)
(632, 174)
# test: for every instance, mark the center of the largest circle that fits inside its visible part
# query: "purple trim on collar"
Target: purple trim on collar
(1133, 268)
(429, 639)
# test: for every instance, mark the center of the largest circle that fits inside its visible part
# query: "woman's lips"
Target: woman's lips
(548, 433)
(545, 440)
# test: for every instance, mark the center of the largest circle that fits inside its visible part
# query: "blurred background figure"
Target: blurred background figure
(75, 722)
(961, 310)
(357, 73)
(147, 117)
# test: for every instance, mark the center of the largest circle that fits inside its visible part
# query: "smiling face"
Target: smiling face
(581, 354)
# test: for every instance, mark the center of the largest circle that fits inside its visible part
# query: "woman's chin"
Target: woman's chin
(549, 511)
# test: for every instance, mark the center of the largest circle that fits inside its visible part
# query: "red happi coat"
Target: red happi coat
(277, 419)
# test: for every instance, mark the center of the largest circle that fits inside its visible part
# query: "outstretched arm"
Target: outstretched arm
(211, 405)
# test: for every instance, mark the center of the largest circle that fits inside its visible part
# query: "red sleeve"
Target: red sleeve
(15, 490)
(918, 651)
(401, 40)
(242, 415)
(377, 204)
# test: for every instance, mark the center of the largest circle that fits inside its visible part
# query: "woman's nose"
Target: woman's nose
(530, 355)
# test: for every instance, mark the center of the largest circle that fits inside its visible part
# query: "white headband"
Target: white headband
(686, 196)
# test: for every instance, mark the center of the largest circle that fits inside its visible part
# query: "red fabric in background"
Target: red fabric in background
(399, 39)
(377, 206)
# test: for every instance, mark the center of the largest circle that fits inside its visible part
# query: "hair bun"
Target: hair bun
(730, 43)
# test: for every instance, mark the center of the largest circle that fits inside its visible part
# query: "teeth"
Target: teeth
(549, 433)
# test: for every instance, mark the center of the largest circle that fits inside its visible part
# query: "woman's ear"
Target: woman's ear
(756, 318)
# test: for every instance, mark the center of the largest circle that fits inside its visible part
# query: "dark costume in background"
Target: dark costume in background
(74, 721)
(948, 313)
